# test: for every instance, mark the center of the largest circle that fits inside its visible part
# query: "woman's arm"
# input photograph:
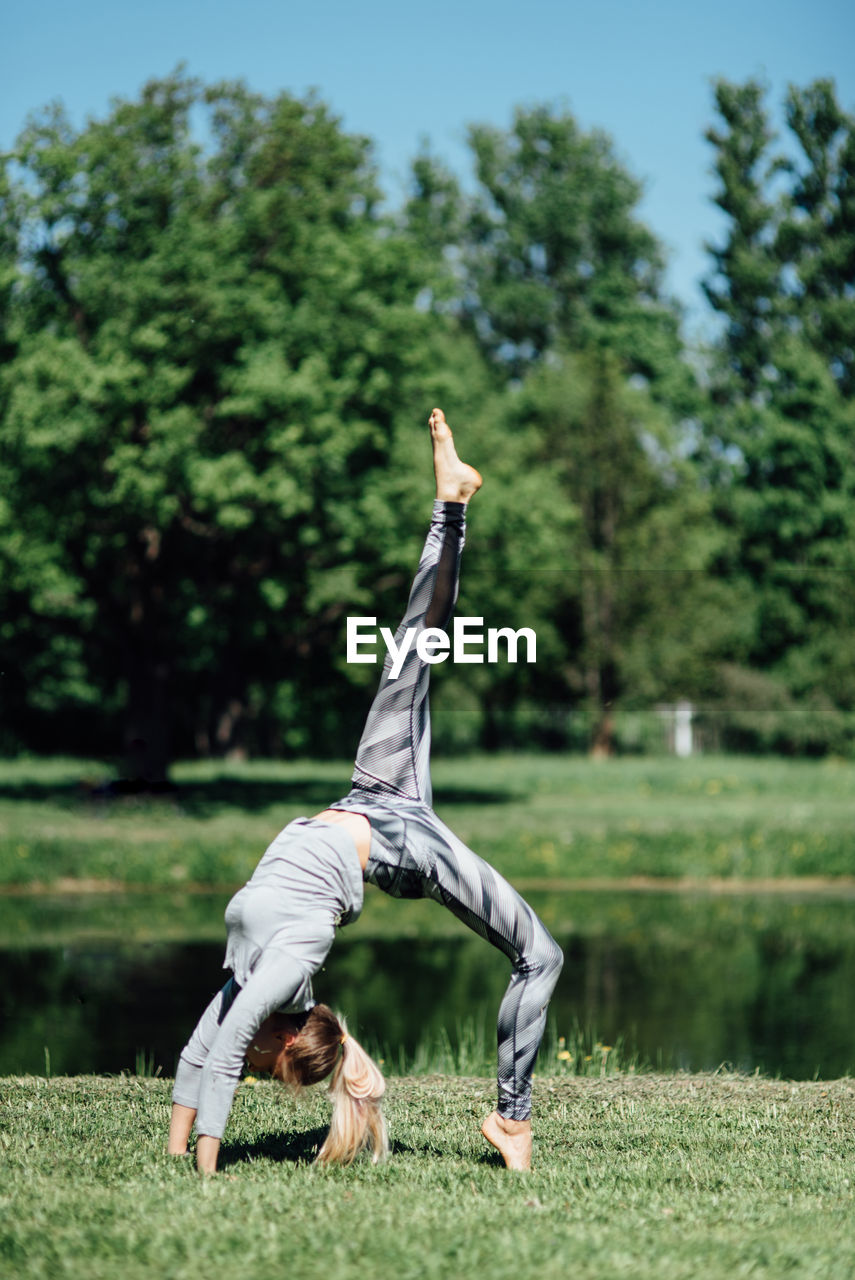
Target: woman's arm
(276, 980)
(180, 1124)
(188, 1073)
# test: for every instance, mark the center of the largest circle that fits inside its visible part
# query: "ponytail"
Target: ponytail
(356, 1087)
(357, 1120)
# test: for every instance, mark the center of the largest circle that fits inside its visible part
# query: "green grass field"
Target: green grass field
(635, 1176)
(536, 818)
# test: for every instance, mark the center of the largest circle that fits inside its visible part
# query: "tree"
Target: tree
(557, 256)
(781, 432)
(788, 260)
(565, 291)
(794, 507)
(205, 349)
(633, 592)
(745, 282)
(816, 237)
(561, 284)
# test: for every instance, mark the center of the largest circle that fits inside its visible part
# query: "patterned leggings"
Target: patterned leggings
(414, 855)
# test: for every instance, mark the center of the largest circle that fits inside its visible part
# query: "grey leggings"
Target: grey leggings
(413, 854)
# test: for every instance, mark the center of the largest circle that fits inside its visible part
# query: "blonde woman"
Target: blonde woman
(282, 923)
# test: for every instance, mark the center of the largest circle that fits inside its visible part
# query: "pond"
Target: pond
(110, 983)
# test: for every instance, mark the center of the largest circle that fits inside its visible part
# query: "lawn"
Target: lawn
(635, 1176)
(551, 820)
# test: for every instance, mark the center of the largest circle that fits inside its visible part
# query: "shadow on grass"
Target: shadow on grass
(311, 793)
(301, 1148)
(298, 1148)
(397, 1148)
(198, 799)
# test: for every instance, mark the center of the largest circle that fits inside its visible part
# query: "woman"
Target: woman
(282, 923)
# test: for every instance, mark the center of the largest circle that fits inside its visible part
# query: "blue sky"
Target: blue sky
(401, 72)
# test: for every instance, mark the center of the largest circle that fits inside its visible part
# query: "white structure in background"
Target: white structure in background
(683, 743)
(679, 733)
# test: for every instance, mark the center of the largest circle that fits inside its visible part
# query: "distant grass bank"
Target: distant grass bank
(536, 818)
(635, 1176)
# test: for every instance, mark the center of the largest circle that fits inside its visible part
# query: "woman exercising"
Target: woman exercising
(281, 925)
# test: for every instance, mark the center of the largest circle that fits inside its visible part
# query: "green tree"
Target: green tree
(781, 431)
(565, 290)
(816, 238)
(793, 505)
(210, 352)
(633, 603)
(745, 284)
(561, 284)
(558, 257)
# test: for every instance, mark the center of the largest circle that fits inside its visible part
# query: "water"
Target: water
(98, 985)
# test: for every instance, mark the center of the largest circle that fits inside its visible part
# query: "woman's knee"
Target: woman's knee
(551, 958)
(544, 959)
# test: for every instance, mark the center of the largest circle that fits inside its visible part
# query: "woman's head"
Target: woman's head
(310, 1051)
(301, 1049)
(274, 1035)
(297, 1048)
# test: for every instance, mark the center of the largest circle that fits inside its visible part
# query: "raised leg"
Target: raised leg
(394, 751)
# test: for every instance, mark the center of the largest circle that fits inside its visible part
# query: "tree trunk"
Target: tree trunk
(147, 736)
(597, 624)
(230, 736)
(603, 742)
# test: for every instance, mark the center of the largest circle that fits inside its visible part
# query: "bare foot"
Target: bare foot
(511, 1138)
(455, 480)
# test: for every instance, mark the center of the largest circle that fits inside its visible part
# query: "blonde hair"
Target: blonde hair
(356, 1088)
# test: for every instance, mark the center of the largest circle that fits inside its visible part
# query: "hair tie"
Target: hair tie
(343, 1037)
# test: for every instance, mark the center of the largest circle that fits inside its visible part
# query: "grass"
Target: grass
(635, 1176)
(470, 1050)
(547, 819)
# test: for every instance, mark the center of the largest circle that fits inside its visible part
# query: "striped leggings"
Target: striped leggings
(414, 855)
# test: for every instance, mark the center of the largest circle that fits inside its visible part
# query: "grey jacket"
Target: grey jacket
(281, 925)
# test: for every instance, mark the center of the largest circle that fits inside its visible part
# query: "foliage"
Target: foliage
(557, 257)
(816, 237)
(562, 286)
(213, 351)
(637, 556)
(217, 351)
(781, 438)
